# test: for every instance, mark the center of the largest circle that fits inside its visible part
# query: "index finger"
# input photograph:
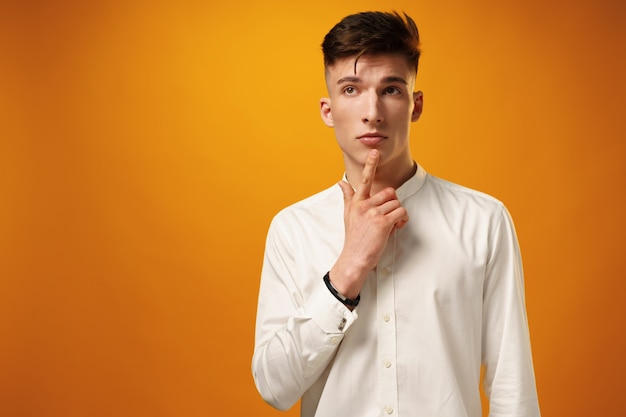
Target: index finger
(367, 177)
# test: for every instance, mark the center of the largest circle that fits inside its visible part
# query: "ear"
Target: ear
(325, 112)
(418, 101)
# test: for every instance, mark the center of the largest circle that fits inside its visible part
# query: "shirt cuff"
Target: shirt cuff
(329, 313)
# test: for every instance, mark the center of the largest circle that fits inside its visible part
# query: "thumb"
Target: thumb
(347, 190)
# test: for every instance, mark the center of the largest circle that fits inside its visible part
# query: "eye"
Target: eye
(391, 91)
(349, 90)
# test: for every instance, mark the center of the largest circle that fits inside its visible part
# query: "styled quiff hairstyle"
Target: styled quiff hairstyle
(372, 33)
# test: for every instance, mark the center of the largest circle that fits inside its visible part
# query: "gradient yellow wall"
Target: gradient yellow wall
(145, 146)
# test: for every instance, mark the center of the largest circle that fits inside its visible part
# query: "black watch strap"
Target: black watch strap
(345, 300)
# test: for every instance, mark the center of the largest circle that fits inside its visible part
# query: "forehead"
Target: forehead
(374, 66)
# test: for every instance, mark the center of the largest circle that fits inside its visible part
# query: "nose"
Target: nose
(372, 112)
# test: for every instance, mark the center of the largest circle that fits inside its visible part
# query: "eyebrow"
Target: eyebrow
(390, 79)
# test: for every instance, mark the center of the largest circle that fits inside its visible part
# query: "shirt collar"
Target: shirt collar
(411, 186)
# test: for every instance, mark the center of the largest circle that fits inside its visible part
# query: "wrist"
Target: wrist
(347, 279)
(348, 302)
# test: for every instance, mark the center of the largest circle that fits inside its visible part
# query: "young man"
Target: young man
(384, 295)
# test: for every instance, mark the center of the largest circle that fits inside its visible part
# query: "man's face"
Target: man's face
(372, 108)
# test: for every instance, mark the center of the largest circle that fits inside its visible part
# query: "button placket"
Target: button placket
(385, 304)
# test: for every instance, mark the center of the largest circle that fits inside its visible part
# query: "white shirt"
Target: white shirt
(446, 296)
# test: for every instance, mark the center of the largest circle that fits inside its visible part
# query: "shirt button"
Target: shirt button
(386, 317)
(388, 410)
(385, 272)
(334, 340)
(387, 363)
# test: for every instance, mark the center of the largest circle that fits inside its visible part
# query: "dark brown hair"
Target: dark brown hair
(372, 33)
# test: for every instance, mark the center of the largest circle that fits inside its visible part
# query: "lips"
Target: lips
(372, 139)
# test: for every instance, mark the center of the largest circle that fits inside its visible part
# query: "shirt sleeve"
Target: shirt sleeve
(509, 379)
(299, 325)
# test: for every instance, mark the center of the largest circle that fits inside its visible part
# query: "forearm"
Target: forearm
(289, 358)
(509, 377)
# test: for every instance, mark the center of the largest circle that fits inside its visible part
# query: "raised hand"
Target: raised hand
(369, 221)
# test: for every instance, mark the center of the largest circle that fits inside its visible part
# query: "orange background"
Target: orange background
(145, 147)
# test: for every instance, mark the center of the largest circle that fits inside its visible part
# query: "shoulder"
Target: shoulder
(457, 194)
(326, 198)
(462, 205)
(322, 205)
(466, 212)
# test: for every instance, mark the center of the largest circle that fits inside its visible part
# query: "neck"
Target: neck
(387, 175)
